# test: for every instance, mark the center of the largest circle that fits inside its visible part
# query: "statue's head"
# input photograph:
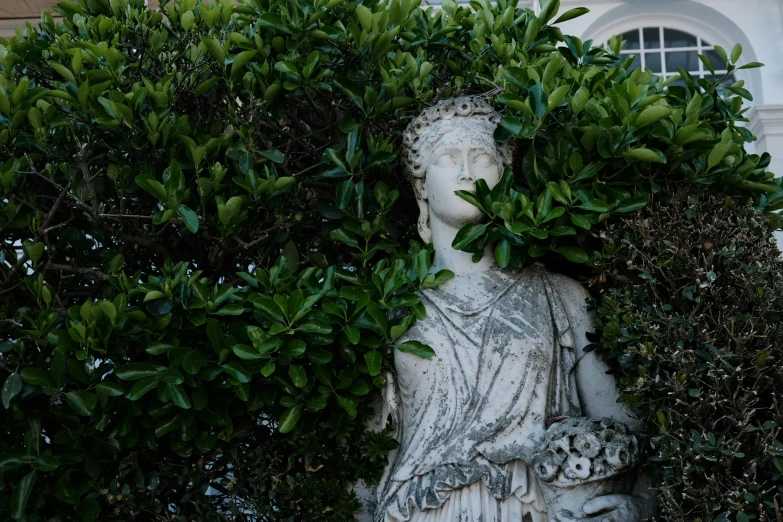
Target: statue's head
(447, 148)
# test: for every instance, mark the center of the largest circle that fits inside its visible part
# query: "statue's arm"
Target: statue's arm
(598, 393)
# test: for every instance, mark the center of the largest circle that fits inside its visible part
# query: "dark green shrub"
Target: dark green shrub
(693, 318)
(218, 249)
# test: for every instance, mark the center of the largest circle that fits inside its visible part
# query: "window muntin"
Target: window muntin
(679, 49)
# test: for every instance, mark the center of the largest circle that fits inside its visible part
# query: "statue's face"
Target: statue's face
(459, 158)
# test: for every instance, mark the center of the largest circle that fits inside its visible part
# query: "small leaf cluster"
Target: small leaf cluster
(597, 139)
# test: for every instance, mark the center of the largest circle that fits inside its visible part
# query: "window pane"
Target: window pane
(716, 60)
(652, 38)
(675, 38)
(688, 60)
(653, 62)
(632, 38)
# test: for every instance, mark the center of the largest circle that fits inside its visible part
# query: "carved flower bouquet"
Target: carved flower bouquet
(581, 459)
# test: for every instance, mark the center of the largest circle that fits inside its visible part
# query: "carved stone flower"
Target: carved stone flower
(587, 444)
(581, 459)
(618, 455)
(577, 450)
(547, 466)
(577, 468)
(599, 467)
(563, 443)
(607, 435)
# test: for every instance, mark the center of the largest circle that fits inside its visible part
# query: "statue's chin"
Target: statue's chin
(461, 217)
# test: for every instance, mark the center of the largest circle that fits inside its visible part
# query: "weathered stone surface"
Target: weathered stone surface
(510, 360)
(580, 459)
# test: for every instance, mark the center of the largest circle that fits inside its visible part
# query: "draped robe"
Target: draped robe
(470, 418)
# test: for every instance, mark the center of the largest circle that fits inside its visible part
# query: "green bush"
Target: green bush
(209, 249)
(692, 317)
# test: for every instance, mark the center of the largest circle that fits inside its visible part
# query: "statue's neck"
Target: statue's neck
(447, 258)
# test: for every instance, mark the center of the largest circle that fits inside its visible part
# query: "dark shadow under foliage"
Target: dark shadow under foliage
(695, 320)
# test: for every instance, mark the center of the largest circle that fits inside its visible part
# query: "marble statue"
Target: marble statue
(510, 420)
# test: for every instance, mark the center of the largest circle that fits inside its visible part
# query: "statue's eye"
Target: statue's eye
(445, 160)
(483, 160)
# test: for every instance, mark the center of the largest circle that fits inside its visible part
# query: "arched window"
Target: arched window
(670, 34)
(663, 50)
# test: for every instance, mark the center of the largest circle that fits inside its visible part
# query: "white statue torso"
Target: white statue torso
(503, 365)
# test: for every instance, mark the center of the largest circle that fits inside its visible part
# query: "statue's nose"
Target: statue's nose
(465, 173)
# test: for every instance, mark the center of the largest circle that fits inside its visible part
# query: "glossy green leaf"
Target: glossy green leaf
(503, 253)
(81, 402)
(572, 253)
(652, 114)
(246, 352)
(373, 359)
(11, 387)
(632, 204)
(178, 395)
(298, 375)
(36, 376)
(416, 348)
(136, 371)
(717, 154)
(571, 14)
(650, 155)
(112, 389)
(237, 371)
(188, 217)
(21, 495)
(349, 404)
(289, 418)
(468, 234)
(538, 101)
(215, 49)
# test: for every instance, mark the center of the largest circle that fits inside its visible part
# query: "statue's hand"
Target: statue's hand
(609, 508)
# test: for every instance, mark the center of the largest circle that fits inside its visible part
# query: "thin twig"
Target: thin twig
(55, 227)
(11, 289)
(76, 270)
(263, 237)
(129, 216)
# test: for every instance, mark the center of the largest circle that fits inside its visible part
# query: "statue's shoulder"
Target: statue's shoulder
(567, 288)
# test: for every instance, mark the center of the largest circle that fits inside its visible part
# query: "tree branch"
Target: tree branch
(81, 161)
(76, 270)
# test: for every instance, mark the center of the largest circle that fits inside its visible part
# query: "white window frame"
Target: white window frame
(711, 26)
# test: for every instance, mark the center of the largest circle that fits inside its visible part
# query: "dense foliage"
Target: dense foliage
(208, 248)
(693, 319)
